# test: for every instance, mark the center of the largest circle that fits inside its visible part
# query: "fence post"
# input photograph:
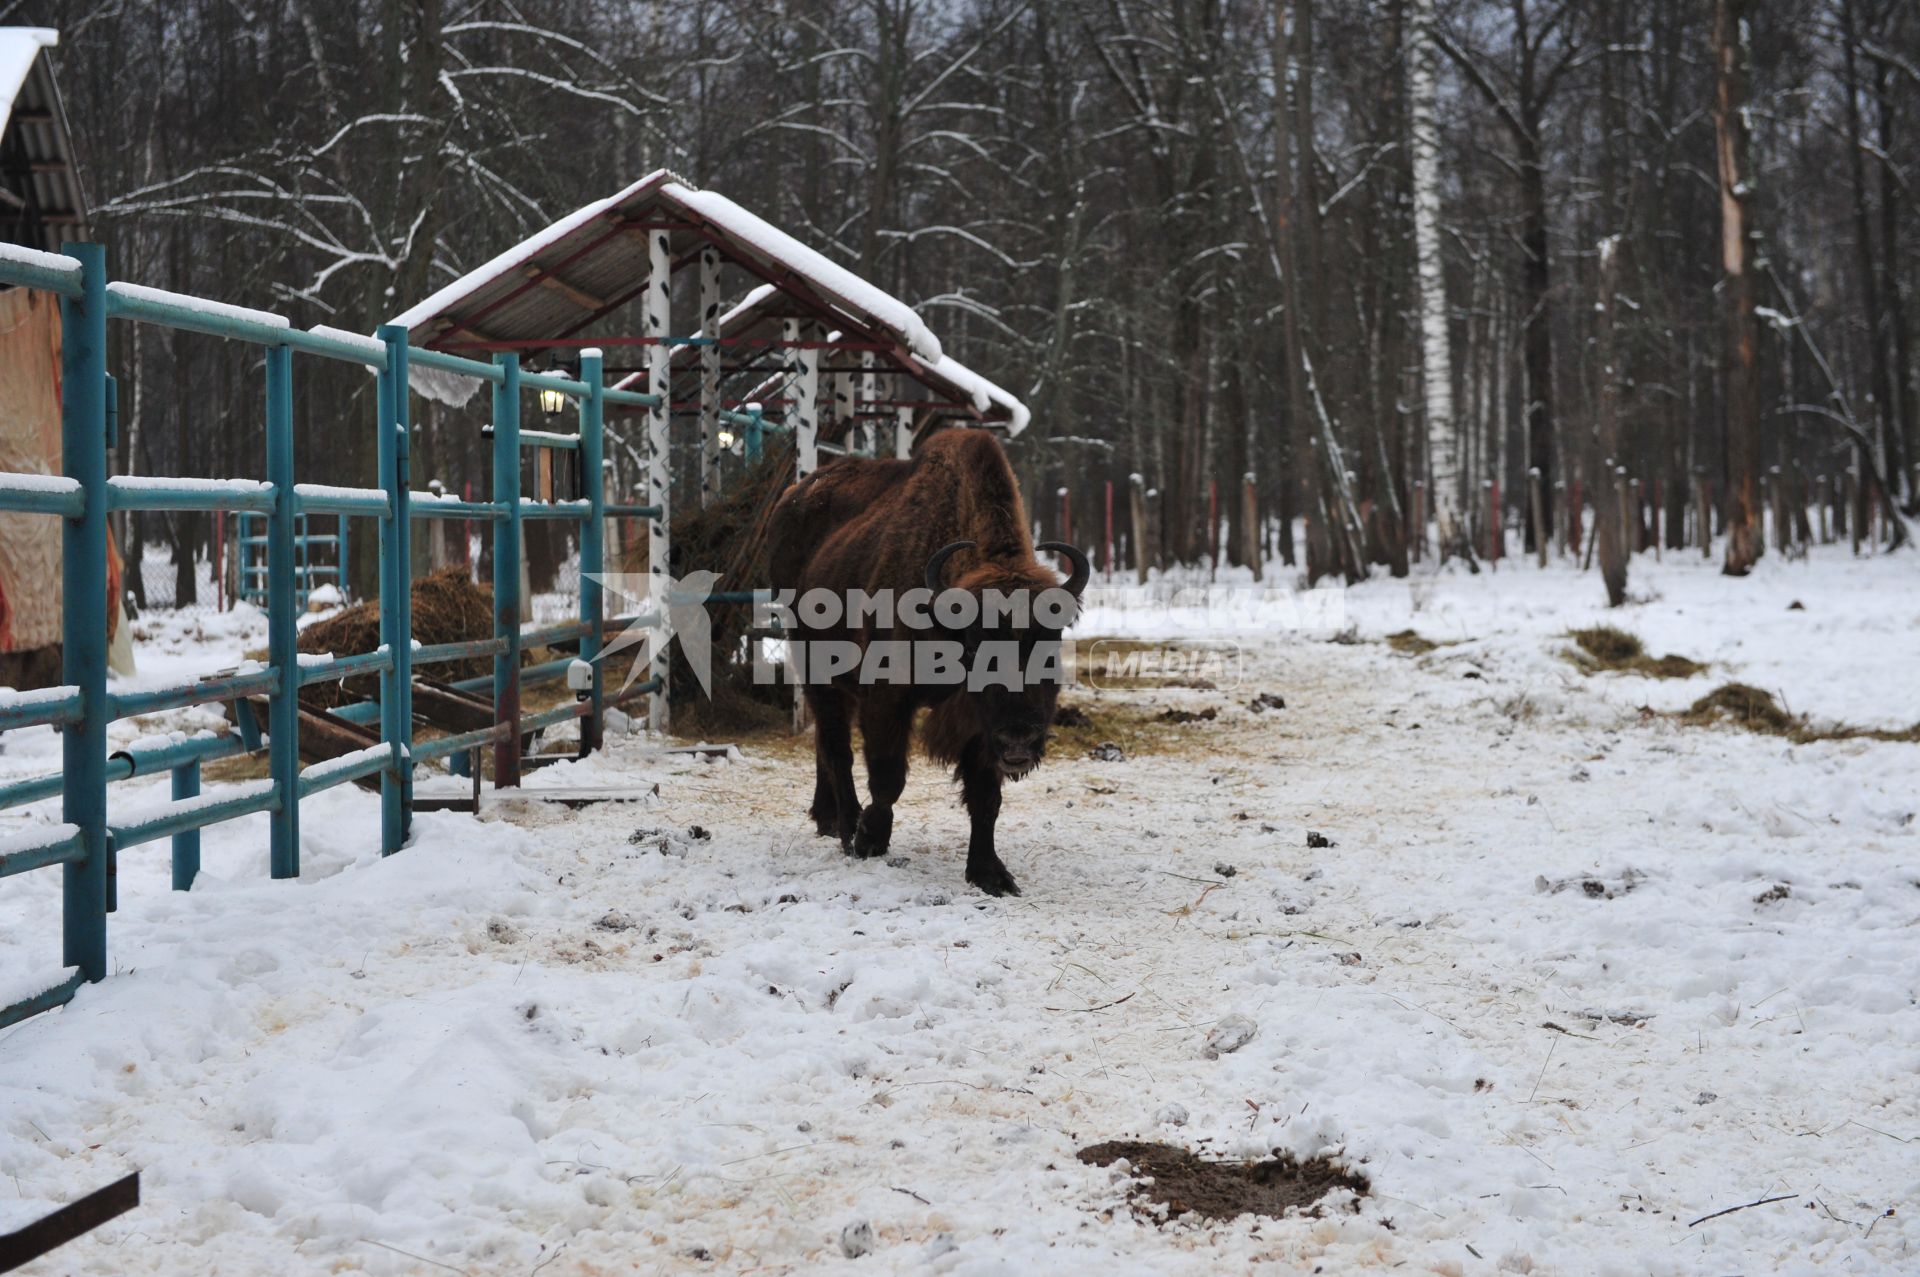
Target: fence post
(592, 549)
(283, 709)
(396, 596)
(186, 847)
(506, 570)
(83, 610)
(658, 316)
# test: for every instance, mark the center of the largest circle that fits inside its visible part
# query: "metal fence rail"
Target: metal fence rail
(85, 843)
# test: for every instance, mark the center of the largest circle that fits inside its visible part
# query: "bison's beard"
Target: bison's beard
(1018, 771)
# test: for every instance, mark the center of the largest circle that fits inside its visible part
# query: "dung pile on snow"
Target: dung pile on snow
(447, 608)
(1182, 1182)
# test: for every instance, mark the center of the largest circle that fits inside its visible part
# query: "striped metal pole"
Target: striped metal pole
(506, 570)
(283, 709)
(83, 610)
(869, 391)
(592, 539)
(658, 317)
(805, 397)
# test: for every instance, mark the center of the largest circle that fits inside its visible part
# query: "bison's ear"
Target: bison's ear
(1076, 581)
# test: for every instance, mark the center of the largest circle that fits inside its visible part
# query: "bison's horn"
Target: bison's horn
(1082, 570)
(938, 563)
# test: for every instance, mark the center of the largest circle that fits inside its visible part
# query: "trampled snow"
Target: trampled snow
(1571, 977)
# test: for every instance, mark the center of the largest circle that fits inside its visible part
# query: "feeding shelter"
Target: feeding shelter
(811, 343)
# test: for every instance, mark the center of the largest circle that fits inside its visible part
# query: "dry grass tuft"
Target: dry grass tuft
(1604, 649)
(1740, 705)
(1743, 706)
(1410, 643)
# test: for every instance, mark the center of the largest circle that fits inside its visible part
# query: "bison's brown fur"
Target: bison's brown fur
(874, 526)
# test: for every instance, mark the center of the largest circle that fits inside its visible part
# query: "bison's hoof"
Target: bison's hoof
(848, 829)
(994, 880)
(874, 832)
(826, 828)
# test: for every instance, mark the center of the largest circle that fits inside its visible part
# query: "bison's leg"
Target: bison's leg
(836, 807)
(980, 786)
(885, 727)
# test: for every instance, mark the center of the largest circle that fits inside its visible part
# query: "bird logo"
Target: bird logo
(684, 617)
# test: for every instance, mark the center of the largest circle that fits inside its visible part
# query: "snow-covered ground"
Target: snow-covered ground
(593, 1041)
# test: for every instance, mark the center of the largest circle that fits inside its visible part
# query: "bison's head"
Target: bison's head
(1018, 612)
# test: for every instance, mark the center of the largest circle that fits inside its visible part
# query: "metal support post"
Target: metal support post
(186, 847)
(506, 570)
(592, 543)
(83, 610)
(283, 709)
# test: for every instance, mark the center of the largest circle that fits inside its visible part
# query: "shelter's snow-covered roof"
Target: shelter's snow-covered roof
(19, 46)
(756, 243)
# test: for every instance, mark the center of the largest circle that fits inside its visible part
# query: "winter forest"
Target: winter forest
(1484, 262)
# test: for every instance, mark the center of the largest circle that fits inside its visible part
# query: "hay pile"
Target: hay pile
(447, 608)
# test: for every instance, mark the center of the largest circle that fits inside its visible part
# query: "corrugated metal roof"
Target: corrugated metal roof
(41, 200)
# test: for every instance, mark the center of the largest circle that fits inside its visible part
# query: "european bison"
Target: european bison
(949, 519)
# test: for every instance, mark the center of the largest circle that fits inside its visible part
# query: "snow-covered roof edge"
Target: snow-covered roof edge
(520, 253)
(836, 282)
(19, 46)
(984, 393)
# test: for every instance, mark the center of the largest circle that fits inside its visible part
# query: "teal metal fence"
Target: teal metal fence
(320, 558)
(86, 841)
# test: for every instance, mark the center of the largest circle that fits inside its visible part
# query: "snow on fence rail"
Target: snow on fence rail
(84, 842)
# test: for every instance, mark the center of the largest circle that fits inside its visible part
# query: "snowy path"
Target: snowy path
(532, 1040)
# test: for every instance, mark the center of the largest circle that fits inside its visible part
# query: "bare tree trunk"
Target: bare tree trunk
(1745, 539)
(1300, 453)
(1436, 356)
(1610, 545)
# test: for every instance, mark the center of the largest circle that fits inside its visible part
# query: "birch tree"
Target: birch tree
(1746, 540)
(1436, 355)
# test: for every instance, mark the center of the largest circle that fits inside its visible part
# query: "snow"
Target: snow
(58, 485)
(332, 492)
(984, 393)
(592, 1039)
(20, 988)
(372, 347)
(833, 279)
(12, 844)
(198, 305)
(174, 483)
(19, 46)
(320, 773)
(41, 697)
